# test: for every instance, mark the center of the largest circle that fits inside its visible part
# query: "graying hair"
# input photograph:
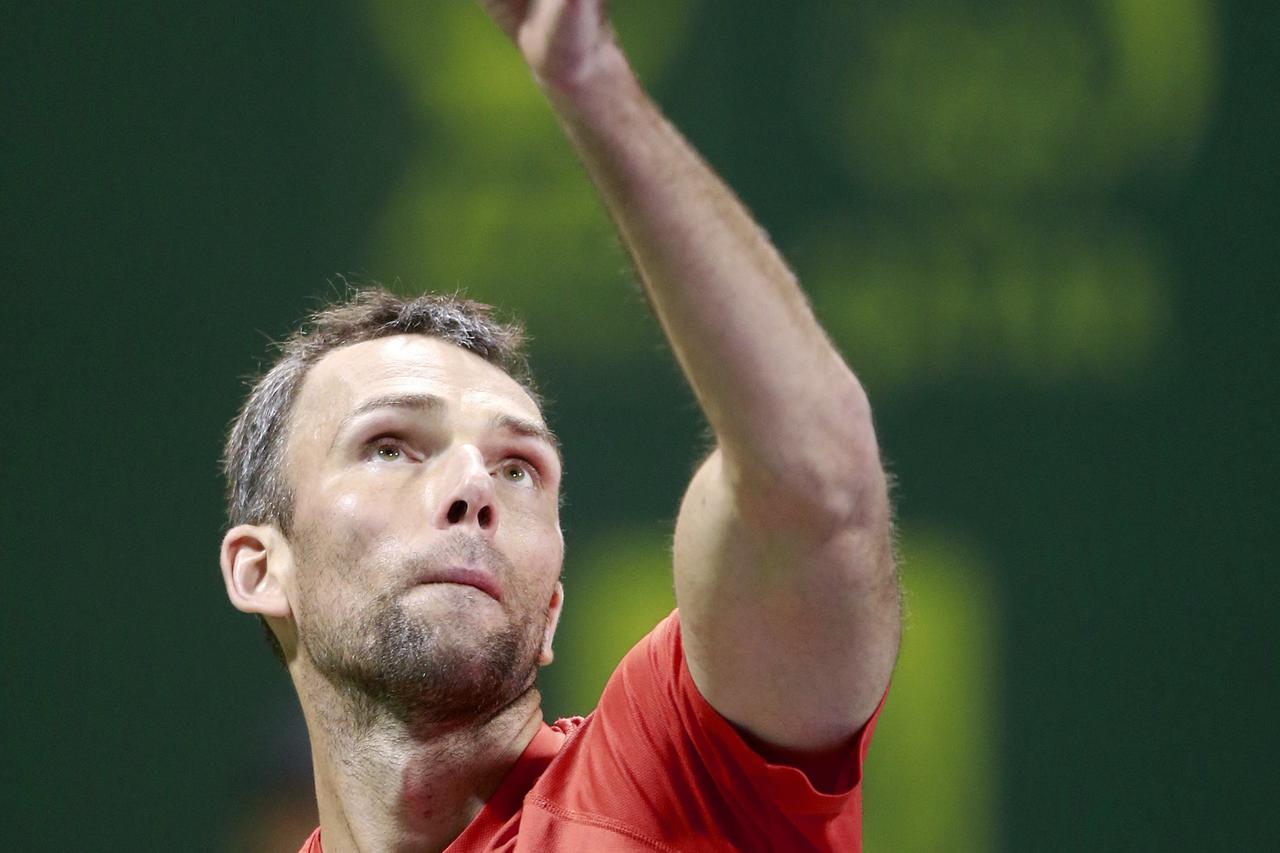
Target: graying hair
(258, 491)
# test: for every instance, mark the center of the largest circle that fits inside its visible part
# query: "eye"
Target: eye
(387, 450)
(517, 472)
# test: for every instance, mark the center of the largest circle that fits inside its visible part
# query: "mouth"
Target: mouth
(466, 576)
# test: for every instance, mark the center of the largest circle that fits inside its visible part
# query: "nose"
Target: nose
(467, 499)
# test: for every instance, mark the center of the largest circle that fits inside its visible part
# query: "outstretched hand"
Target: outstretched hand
(563, 41)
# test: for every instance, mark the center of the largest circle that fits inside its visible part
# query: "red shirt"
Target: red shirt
(655, 767)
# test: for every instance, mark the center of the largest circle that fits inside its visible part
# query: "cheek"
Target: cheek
(355, 516)
(542, 560)
(535, 529)
(346, 511)
(335, 538)
(532, 515)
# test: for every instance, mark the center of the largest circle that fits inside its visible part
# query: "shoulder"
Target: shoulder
(655, 762)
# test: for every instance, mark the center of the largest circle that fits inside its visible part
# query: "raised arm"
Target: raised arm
(783, 559)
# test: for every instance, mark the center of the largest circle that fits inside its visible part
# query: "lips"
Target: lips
(481, 579)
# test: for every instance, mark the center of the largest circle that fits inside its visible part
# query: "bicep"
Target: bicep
(790, 632)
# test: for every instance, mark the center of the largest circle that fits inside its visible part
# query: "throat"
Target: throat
(390, 789)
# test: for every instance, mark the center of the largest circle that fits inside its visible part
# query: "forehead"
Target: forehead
(406, 364)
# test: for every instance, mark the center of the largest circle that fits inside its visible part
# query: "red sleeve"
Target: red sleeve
(660, 763)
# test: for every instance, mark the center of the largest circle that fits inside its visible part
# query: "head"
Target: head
(393, 499)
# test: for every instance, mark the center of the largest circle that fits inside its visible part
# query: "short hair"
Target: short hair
(253, 459)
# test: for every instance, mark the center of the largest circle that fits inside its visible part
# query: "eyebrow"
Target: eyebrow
(526, 428)
(432, 403)
(412, 402)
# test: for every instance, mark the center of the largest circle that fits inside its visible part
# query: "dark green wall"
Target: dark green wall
(181, 180)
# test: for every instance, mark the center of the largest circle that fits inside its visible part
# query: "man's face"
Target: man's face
(426, 546)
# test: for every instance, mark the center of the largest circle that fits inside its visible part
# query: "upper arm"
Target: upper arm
(791, 629)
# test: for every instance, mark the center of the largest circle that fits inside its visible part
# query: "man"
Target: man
(394, 496)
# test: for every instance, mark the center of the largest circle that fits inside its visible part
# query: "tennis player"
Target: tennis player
(394, 493)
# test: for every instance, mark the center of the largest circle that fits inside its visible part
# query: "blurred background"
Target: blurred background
(1042, 232)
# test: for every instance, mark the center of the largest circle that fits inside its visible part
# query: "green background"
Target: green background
(1044, 233)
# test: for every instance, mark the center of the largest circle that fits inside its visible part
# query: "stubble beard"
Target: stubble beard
(424, 672)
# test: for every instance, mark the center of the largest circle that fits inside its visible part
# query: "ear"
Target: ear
(553, 619)
(254, 560)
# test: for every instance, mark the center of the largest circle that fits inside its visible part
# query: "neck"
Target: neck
(386, 784)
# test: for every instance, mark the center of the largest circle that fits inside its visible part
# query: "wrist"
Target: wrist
(602, 75)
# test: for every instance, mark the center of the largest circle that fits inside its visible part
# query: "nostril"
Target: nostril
(484, 516)
(457, 510)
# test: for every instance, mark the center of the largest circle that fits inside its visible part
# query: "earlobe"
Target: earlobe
(553, 619)
(250, 557)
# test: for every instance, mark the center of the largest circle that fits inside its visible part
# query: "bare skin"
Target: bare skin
(783, 560)
(393, 435)
(783, 540)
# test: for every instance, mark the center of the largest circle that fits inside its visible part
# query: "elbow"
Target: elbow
(838, 490)
(814, 466)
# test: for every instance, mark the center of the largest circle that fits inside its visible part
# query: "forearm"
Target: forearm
(782, 556)
(788, 413)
